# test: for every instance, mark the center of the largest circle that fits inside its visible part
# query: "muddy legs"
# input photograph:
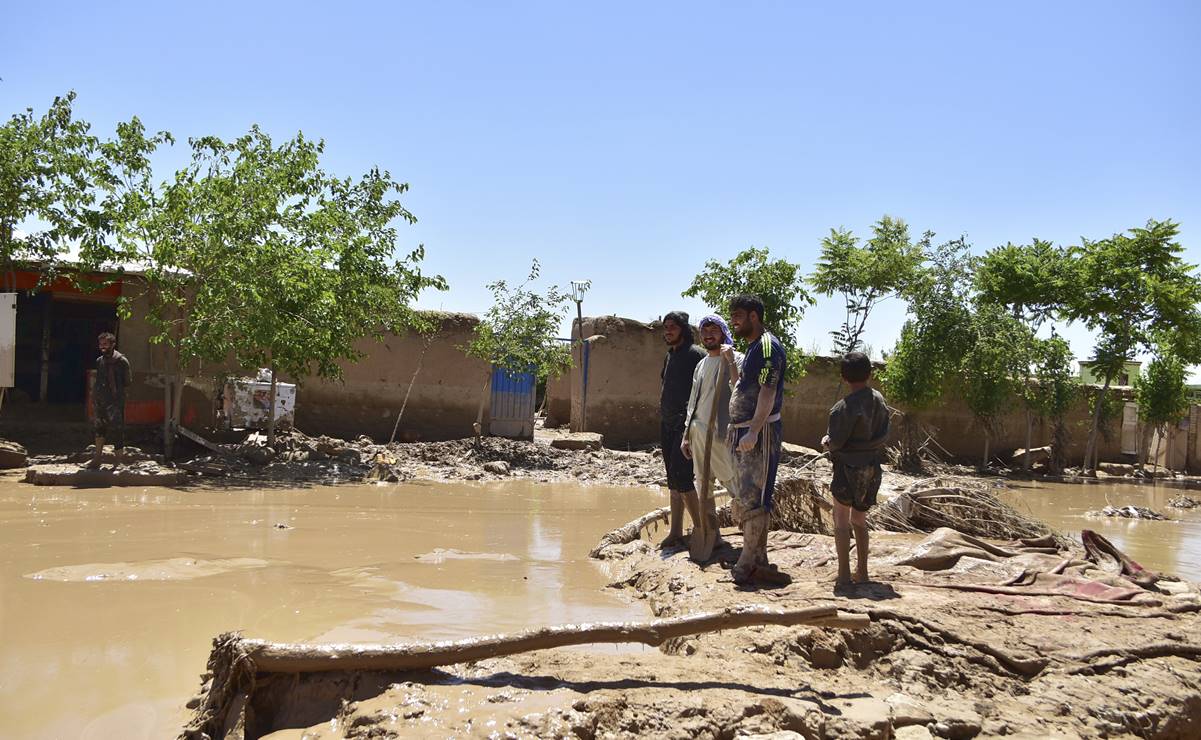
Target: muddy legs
(859, 527)
(847, 520)
(754, 546)
(97, 454)
(679, 501)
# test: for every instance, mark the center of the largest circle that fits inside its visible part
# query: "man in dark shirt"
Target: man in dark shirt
(113, 376)
(678, 366)
(855, 438)
(755, 435)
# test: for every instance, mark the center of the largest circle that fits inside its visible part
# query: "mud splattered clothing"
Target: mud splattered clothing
(678, 368)
(857, 430)
(113, 376)
(709, 378)
(755, 471)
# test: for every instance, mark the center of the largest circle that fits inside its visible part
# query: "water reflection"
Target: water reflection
(1168, 546)
(118, 659)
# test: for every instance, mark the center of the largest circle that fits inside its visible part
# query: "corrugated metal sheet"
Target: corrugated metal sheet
(8, 338)
(512, 404)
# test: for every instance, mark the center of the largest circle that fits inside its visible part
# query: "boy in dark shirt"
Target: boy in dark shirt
(855, 438)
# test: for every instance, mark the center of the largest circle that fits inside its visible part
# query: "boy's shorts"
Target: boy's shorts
(856, 486)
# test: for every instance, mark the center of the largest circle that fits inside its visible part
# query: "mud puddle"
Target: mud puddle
(1172, 547)
(109, 598)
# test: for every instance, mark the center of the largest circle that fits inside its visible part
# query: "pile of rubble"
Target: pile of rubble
(1181, 501)
(12, 455)
(1128, 512)
(296, 456)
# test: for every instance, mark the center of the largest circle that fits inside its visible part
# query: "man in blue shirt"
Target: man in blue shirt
(755, 434)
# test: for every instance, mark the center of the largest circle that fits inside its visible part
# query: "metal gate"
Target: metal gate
(512, 404)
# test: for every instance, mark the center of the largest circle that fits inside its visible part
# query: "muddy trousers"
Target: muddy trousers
(754, 482)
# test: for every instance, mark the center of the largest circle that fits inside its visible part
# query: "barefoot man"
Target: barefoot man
(711, 376)
(754, 437)
(113, 376)
(678, 366)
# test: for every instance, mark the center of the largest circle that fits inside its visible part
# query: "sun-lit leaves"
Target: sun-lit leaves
(865, 275)
(49, 165)
(519, 332)
(780, 284)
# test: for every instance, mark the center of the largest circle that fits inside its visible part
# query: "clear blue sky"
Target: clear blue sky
(628, 142)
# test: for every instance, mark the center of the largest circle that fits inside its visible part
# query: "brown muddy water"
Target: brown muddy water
(109, 598)
(1172, 547)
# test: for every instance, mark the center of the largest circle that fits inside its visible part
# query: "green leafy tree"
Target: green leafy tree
(995, 366)
(1051, 393)
(865, 275)
(778, 283)
(1129, 289)
(519, 332)
(48, 168)
(253, 254)
(1031, 280)
(314, 271)
(1162, 395)
(933, 341)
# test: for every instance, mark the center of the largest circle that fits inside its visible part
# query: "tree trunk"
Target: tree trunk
(271, 411)
(1029, 440)
(269, 657)
(167, 436)
(911, 458)
(176, 407)
(478, 426)
(1159, 431)
(1091, 449)
(984, 465)
(1059, 446)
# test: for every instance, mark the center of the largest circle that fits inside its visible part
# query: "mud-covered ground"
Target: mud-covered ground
(934, 662)
(299, 458)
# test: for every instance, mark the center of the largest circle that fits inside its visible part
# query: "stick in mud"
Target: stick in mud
(277, 657)
(237, 664)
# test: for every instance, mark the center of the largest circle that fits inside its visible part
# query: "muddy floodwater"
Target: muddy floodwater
(1172, 547)
(109, 598)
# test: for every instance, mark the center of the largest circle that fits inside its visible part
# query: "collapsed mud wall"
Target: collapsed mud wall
(622, 400)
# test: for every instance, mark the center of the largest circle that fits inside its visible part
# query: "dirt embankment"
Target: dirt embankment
(967, 638)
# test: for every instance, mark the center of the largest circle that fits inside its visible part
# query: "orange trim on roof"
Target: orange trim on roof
(28, 280)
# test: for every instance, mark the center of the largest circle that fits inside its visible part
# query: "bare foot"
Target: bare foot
(861, 576)
(672, 541)
(844, 579)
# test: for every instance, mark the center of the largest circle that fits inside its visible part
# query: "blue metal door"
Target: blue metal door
(512, 404)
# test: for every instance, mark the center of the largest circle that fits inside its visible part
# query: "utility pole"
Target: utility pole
(578, 289)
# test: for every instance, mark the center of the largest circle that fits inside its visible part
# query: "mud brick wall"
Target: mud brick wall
(443, 404)
(625, 358)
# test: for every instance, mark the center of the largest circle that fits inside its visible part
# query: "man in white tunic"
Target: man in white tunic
(711, 376)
